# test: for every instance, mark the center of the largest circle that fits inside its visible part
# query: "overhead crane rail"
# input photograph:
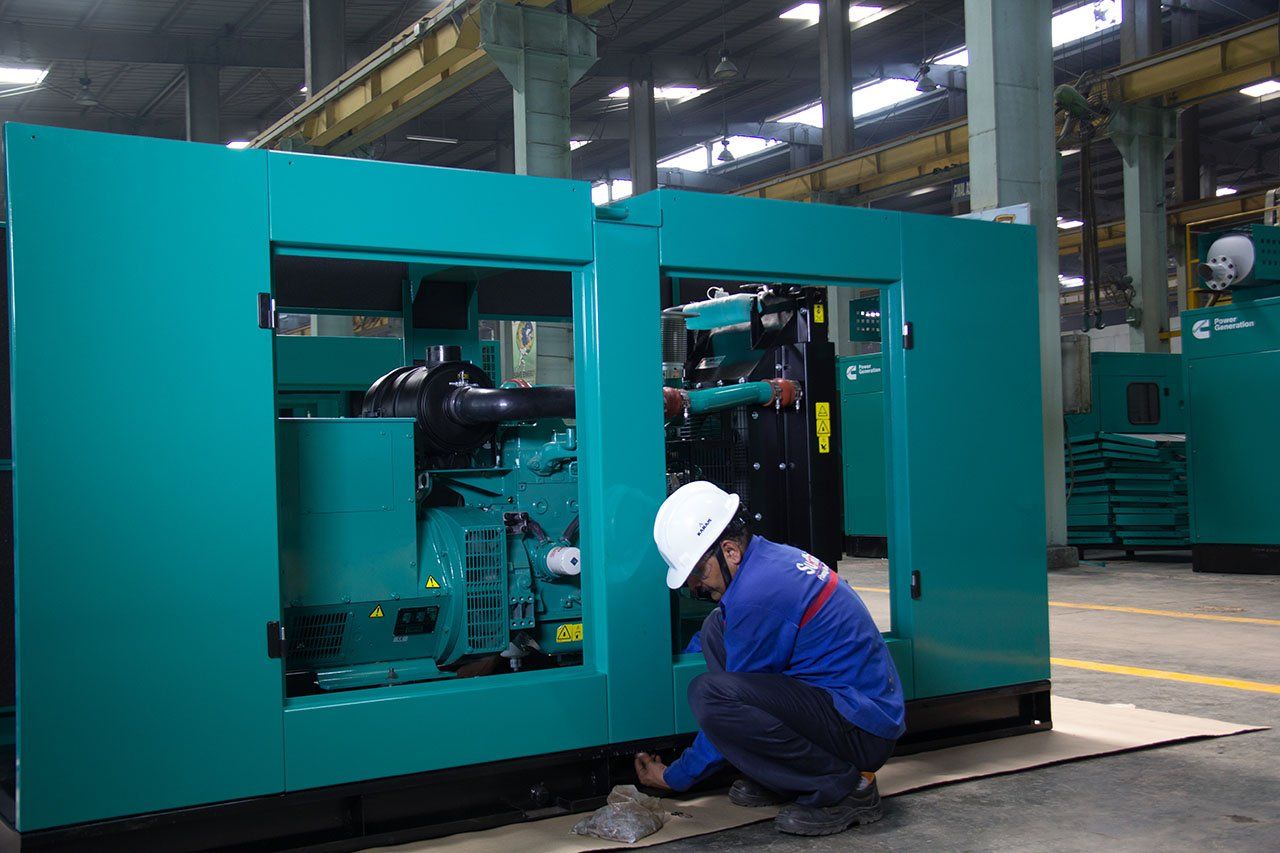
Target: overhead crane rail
(1180, 76)
(428, 62)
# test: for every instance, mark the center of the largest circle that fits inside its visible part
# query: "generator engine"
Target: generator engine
(437, 534)
(438, 529)
(783, 458)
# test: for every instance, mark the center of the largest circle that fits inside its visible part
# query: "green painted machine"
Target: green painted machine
(1231, 361)
(1132, 392)
(294, 591)
(1126, 456)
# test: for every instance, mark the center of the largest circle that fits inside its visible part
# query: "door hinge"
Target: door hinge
(908, 336)
(275, 640)
(915, 584)
(266, 311)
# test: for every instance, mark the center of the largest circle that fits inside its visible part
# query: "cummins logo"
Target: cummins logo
(1200, 329)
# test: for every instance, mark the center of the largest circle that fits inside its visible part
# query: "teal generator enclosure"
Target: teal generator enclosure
(296, 590)
(1133, 392)
(1231, 360)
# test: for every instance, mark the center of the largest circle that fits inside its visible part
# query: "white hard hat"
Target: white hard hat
(687, 525)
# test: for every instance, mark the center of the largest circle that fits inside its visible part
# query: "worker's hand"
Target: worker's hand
(650, 769)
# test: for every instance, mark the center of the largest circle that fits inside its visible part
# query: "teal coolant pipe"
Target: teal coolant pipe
(707, 400)
(782, 392)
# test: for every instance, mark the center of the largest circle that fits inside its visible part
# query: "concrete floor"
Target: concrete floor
(1222, 793)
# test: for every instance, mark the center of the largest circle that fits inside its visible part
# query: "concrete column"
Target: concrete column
(324, 40)
(1139, 29)
(542, 54)
(800, 156)
(203, 100)
(1208, 179)
(1012, 161)
(642, 133)
(1145, 135)
(1186, 157)
(1187, 176)
(835, 77)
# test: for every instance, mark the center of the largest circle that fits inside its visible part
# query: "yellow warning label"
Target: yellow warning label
(569, 633)
(824, 444)
(432, 583)
(819, 313)
(822, 410)
(377, 613)
(824, 426)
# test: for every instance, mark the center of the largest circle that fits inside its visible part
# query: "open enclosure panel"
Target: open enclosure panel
(428, 508)
(8, 683)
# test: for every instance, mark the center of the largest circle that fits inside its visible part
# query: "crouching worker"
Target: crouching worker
(800, 693)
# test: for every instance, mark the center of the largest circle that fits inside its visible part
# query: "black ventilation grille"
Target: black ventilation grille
(316, 636)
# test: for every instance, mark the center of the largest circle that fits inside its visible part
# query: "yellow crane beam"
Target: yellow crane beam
(1183, 75)
(436, 57)
(1111, 234)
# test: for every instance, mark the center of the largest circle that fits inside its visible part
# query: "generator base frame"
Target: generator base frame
(485, 796)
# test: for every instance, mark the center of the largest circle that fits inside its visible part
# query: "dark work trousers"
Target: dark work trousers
(780, 732)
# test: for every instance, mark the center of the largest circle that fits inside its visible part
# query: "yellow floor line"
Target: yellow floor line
(1175, 614)
(1211, 680)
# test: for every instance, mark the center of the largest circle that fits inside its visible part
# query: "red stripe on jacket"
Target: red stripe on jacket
(822, 597)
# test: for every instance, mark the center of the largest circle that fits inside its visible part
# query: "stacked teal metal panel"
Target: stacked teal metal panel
(1127, 490)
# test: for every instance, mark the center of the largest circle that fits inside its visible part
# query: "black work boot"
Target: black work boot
(753, 795)
(860, 807)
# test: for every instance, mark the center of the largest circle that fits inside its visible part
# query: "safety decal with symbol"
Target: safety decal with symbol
(822, 426)
(569, 633)
(432, 583)
(377, 613)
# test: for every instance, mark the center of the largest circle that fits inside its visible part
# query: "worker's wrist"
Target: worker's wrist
(675, 778)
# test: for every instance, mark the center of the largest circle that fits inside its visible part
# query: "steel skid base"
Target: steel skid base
(1236, 559)
(466, 799)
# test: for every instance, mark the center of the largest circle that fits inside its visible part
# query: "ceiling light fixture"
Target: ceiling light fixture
(439, 140)
(925, 83)
(725, 155)
(22, 75)
(1259, 90)
(85, 96)
(808, 13)
(725, 69)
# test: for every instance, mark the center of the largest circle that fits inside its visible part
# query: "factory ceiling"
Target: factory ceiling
(119, 65)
